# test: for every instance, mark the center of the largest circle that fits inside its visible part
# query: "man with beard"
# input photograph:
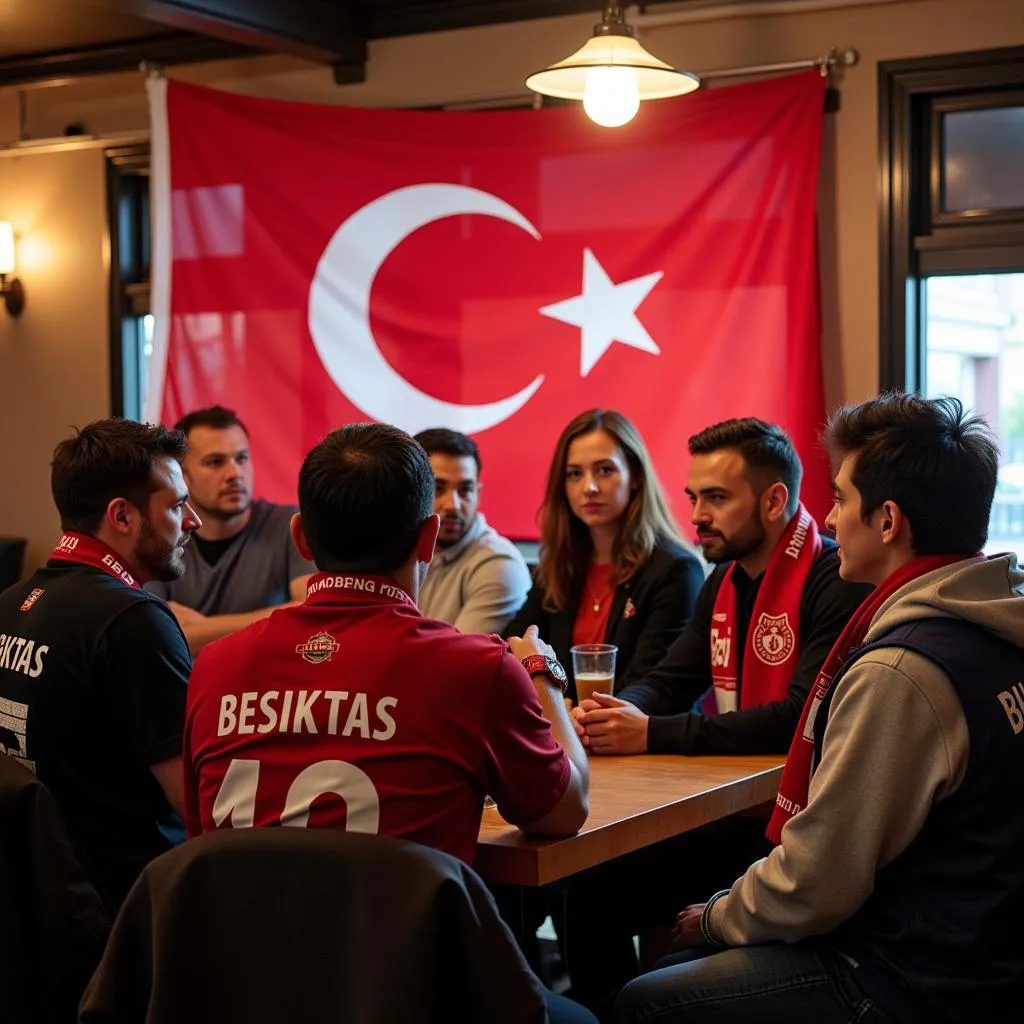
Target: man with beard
(242, 563)
(763, 624)
(93, 670)
(478, 580)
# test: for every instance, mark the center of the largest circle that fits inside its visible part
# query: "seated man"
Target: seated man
(241, 564)
(478, 580)
(93, 670)
(355, 711)
(897, 885)
(762, 625)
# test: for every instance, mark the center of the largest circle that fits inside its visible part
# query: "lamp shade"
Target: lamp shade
(654, 78)
(6, 247)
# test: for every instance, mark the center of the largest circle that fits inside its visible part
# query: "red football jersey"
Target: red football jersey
(354, 711)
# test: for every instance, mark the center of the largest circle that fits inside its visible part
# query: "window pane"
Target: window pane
(983, 159)
(974, 345)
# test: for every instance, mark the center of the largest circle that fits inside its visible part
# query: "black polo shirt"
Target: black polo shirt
(93, 678)
(667, 693)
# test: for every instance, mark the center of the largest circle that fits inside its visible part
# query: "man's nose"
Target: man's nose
(450, 501)
(192, 520)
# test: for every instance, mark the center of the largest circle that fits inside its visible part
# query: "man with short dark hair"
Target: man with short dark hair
(241, 564)
(352, 709)
(897, 881)
(762, 625)
(478, 580)
(93, 670)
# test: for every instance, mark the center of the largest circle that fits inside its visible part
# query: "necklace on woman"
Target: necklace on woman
(598, 600)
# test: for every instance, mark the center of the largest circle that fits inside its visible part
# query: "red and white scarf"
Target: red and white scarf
(796, 776)
(80, 547)
(773, 635)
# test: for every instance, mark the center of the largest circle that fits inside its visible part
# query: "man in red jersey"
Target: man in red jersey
(354, 711)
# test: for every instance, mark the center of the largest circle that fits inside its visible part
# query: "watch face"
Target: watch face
(556, 670)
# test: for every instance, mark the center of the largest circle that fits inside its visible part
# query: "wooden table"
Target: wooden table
(634, 801)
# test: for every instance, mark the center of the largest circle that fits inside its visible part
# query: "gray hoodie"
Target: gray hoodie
(896, 743)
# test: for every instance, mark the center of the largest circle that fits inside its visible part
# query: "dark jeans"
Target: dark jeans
(606, 906)
(770, 984)
(565, 1011)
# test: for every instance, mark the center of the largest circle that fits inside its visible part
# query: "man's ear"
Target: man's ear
(428, 538)
(893, 524)
(299, 537)
(121, 515)
(774, 501)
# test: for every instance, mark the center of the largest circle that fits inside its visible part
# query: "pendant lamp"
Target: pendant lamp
(612, 74)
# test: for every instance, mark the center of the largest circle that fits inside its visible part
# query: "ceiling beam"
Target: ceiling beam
(325, 32)
(409, 17)
(124, 55)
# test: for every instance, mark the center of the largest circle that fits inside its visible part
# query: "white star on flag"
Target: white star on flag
(605, 312)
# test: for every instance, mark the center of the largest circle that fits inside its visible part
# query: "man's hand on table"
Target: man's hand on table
(686, 933)
(611, 726)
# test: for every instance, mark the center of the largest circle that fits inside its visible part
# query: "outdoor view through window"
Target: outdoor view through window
(974, 338)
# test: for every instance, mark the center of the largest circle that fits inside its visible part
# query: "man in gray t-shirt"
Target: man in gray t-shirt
(241, 563)
(478, 580)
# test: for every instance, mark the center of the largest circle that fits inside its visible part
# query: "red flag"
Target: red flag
(494, 272)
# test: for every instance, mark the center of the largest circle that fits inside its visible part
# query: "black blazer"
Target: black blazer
(663, 593)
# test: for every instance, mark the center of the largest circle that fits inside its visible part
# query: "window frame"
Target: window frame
(913, 242)
(127, 173)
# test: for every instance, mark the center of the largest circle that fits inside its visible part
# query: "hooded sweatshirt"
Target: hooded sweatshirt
(896, 744)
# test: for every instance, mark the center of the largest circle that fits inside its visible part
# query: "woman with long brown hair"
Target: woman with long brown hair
(613, 568)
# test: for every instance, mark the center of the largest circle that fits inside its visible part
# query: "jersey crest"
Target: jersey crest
(773, 638)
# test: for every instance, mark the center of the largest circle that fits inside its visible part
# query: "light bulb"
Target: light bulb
(611, 96)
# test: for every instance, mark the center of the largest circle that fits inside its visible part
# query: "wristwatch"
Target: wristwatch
(537, 663)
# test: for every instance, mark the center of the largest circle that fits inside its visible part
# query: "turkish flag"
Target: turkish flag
(495, 272)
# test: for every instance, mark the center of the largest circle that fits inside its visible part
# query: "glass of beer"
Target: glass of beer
(593, 667)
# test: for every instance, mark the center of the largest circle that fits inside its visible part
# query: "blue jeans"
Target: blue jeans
(770, 984)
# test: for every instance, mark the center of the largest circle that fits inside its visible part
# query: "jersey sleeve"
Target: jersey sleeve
(528, 772)
(145, 665)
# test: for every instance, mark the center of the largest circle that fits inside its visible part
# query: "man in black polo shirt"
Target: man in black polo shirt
(763, 624)
(93, 670)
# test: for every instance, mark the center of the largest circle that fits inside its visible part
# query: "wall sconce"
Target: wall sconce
(11, 290)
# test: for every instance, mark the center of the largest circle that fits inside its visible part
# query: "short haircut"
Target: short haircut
(215, 417)
(442, 441)
(766, 449)
(364, 493)
(938, 463)
(108, 459)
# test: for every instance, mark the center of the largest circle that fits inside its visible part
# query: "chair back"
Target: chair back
(52, 923)
(273, 924)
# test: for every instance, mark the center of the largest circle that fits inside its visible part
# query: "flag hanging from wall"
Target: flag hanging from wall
(496, 272)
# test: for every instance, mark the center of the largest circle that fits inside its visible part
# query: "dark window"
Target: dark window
(982, 161)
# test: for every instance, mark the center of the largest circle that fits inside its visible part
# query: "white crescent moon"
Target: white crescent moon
(339, 308)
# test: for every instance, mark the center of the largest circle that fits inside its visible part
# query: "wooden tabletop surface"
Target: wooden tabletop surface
(634, 801)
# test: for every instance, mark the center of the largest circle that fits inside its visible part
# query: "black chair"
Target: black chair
(281, 924)
(52, 924)
(12, 559)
